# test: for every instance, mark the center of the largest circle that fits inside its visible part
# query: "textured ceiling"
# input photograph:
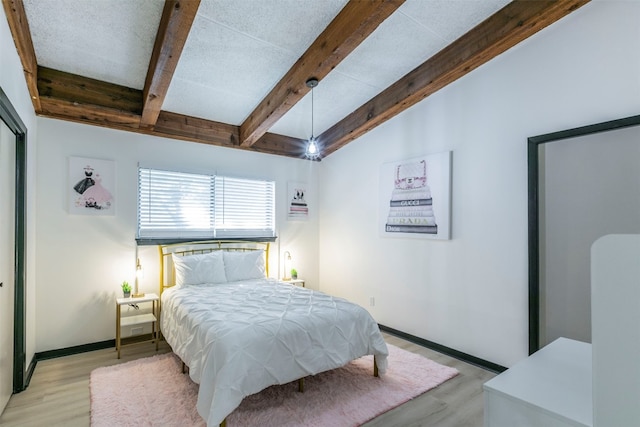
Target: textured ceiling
(238, 50)
(94, 38)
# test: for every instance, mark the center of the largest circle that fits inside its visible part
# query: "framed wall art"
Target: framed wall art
(297, 208)
(91, 186)
(415, 197)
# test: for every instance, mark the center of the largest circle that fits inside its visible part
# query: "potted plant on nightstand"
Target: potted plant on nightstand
(126, 289)
(294, 273)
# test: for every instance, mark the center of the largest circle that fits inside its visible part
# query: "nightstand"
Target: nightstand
(138, 319)
(295, 282)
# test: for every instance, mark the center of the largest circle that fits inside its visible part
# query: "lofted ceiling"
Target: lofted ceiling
(232, 72)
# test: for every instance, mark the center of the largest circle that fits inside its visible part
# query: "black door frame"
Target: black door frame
(534, 224)
(10, 117)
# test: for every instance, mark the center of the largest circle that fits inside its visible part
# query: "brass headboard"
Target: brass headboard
(167, 272)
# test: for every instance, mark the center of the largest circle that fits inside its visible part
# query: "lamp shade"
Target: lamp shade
(312, 148)
(287, 265)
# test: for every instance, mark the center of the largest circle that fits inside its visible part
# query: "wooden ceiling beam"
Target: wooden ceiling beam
(175, 24)
(54, 84)
(276, 144)
(355, 22)
(174, 125)
(187, 128)
(94, 115)
(501, 31)
(80, 99)
(19, 25)
(169, 125)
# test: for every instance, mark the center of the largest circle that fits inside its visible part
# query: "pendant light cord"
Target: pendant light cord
(312, 113)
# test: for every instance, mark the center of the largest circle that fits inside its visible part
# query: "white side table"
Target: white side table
(137, 319)
(294, 282)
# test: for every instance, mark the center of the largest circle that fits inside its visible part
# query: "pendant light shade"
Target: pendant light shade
(312, 148)
(312, 151)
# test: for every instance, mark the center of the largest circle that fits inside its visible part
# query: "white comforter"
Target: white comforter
(239, 338)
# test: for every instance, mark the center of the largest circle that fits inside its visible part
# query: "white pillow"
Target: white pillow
(244, 265)
(199, 269)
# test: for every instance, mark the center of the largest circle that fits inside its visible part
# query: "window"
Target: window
(179, 205)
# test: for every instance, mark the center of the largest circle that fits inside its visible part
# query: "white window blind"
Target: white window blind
(174, 205)
(244, 207)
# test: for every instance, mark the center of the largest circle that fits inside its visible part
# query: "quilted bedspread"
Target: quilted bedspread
(239, 338)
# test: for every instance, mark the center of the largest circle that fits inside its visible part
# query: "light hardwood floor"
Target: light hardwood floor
(59, 392)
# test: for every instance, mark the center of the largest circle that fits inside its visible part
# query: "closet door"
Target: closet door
(7, 260)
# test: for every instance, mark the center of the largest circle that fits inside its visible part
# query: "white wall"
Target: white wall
(14, 86)
(470, 293)
(83, 259)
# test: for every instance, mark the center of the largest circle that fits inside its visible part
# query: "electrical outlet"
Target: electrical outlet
(136, 331)
(372, 302)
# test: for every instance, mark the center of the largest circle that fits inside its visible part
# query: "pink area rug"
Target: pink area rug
(154, 392)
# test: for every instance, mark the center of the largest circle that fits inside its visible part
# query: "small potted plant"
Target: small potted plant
(126, 289)
(294, 273)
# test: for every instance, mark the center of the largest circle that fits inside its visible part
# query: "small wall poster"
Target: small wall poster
(91, 186)
(297, 208)
(415, 197)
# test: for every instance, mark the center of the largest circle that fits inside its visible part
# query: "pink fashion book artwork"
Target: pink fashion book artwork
(410, 206)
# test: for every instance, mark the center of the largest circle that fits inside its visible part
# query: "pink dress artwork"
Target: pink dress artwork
(96, 196)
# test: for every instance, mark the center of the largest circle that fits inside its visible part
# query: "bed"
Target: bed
(239, 332)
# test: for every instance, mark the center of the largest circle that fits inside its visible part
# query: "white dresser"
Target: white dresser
(551, 388)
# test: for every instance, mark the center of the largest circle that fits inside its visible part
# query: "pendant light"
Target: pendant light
(312, 146)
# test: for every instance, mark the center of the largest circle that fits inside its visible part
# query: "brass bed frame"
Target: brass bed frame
(167, 272)
(168, 278)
